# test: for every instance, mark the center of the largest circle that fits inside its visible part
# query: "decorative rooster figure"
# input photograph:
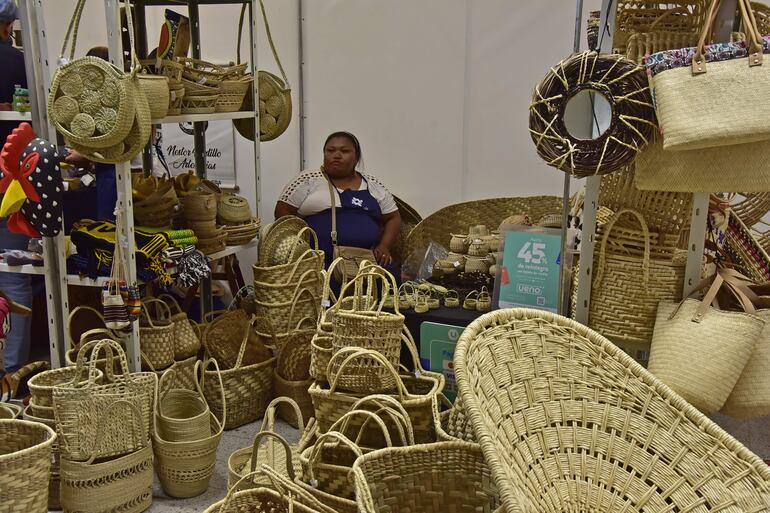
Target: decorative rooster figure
(31, 183)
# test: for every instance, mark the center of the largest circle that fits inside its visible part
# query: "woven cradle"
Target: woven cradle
(545, 394)
(120, 484)
(458, 217)
(432, 478)
(25, 465)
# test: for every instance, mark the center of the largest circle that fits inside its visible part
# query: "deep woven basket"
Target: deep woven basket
(54, 483)
(156, 89)
(25, 465)
(298, 391)
(41, 385)
(526, 376)
(157, 338)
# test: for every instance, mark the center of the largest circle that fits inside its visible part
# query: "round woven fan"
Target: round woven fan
(625, 87)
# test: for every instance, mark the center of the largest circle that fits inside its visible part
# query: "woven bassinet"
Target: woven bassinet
(457, 218)
(568, 422)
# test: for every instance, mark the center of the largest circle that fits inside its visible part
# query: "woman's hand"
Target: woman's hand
(382, 254)
(76, 159)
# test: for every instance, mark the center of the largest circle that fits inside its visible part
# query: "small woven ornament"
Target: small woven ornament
(110, 94)
(90, 102)
(625, 87)
(93, 78)
(72, 84)
(105, 119)
(83, 125)
(66, 108)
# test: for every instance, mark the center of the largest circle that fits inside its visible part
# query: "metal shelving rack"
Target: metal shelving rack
(55, 257)
(36, 65)
(697, 236)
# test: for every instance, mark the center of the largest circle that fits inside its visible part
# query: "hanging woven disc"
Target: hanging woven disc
(624, 86)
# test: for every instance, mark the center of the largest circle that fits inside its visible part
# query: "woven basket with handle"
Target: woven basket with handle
(526, 376)
(157, 334)
(55, 477)
(186, 338)
(181, 415)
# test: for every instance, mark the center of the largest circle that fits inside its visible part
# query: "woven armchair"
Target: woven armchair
(569, 423)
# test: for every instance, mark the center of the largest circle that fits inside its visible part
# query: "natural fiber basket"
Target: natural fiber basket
(25, 465)
(279, 242)
(156, 89)
(209, 73)
(55, 478)
(634, 16)
(298, 391)
(643, 44)
(181, 415)
(157, 336)
(122, 483)
(432, 478)
(41, 385)
(199, 103)
(223, 337)
(242, 233)
(79, 408)
(629, 283)
(232, 93)
(320, 354)
(81, 320)
(185, 467)
(327, 463)
(233, 209)
(294, 357)
(9, 411)
(309, 260)
(284, 315)
(270, 448)
(248, 388)
(212, 245)
(568, 384)
(186, 339)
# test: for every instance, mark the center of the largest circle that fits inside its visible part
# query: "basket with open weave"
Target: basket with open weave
(640, 16)
(530, 377)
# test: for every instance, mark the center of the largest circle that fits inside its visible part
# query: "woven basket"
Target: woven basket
(41, 385)
(433, 478)
(629, 284)
(199, 206)
(213, 244)
(223, 335)
(309, 260)
(327, 463)
(570, 385)
(44, 412)
(242, 233)
(750, 397)
(269, 293)
(643, 44)
(181, 415)
(206, 72)
(457, 218)
(633, 16)
(156, 89)
(199, 103)
(320, 354)
(284, 315)
(294, 357)
(232, 209)
(270, 448)
(81, 320)
(186, 340)
(278, 244)
(156, 336)
(232, 93)
(80, 408)
(9, 411)
(298, 391)
(185, 467)
(55, 477)
(123, 483)
(248, 388)
(25, 465)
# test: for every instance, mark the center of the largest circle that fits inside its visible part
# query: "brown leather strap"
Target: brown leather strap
(334, 207)
(752, 32)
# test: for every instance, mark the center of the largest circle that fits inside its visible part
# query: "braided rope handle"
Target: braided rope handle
(269, 39)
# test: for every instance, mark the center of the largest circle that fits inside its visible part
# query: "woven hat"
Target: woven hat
(276, 234)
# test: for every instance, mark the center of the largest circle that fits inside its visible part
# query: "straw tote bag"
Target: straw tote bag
(699, 351)
(713, 95)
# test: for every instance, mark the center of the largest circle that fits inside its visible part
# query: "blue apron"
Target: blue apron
(358, 222)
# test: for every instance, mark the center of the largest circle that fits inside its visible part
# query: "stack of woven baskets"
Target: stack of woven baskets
(155, 201)
(202, 87)
(288, 281)
(199, 201)
(475, 252)
(234, 214)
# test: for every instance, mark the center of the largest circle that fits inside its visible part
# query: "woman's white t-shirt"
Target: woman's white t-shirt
(309, 193)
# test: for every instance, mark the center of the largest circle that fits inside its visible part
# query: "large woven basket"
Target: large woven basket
(633, 273)
(528, 376)
(41, 385)
(458, 217)
(54, 482)
(25, 465)
(432, 478)
(122, 483)
(248, 388)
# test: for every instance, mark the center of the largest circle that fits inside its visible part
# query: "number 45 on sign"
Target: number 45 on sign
(533, 253)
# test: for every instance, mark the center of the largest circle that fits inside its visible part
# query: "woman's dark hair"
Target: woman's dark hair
(353, 140)
(99, 51)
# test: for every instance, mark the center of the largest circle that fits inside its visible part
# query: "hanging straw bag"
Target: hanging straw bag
(185, 467)
(248, 388)
(113, 300)
(181, 415)
(25, 465)
(699, 351)
(729, 82)
(274, 94)
(157, 335)
(429, 478)
(79, 407)
(187, 341)
(91, 102)
(271, 449)
(634, 271)
(119, 484)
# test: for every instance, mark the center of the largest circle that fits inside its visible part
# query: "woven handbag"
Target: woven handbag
(699, 351)
(326, 465)
(591, 402)
(156, 335)
(729, 81)
(25, 465)
(185, 467)
(186, 341)
(41, 385)
(270, 449)
(309, 260)
(222, 338)
(248, 387)
(90, 102)
(119, 484)
(79, 407)
(432, 478)
(181, 415)
(635, 269)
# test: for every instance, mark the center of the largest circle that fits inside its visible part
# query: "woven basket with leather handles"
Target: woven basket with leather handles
(274, 94)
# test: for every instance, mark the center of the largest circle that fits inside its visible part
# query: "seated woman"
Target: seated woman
(367, 215)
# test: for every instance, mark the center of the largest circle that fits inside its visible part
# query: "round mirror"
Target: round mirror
(577, 115)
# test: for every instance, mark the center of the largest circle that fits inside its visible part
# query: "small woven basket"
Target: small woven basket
(156, 89)
(233, 209)
(25, 465)
(199, 205)
(321, 351)
(199, 103)
(157, 336)
(232, 93)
